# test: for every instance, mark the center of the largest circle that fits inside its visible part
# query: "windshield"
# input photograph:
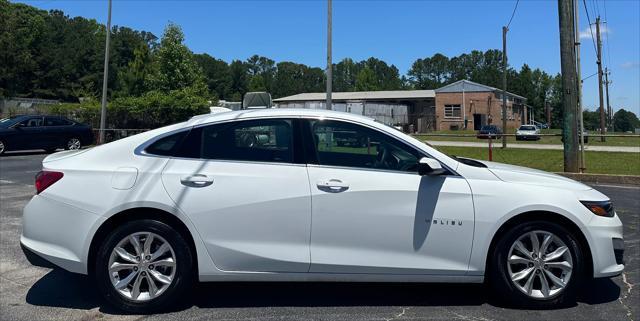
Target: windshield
(8, 122)
(488, 128)
(527, 128)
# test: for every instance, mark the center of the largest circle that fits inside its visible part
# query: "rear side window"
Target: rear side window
(166, 146)
(54, 121)
(266, 140)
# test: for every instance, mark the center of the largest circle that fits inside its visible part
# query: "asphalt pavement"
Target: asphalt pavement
(33, 293)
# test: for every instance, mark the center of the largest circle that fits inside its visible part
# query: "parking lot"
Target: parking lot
(32, 293)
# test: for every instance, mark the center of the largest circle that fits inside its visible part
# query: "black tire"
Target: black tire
(175, 292)
(498, 274)
(3, 147)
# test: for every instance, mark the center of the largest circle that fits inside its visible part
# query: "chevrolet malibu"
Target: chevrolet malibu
(272, 195)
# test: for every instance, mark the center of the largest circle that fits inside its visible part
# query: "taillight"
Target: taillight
(45, 179)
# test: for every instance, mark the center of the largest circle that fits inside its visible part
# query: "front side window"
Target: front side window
(452, 111)
(32, 122)
(350, 145)
(268, 140)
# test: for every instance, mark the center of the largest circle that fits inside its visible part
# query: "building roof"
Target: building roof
(362, 95)
(470, 86)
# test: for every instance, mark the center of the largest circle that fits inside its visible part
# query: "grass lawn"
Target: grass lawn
(552, 160)
(610, 141)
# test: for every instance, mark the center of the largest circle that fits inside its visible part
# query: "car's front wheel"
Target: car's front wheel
(144, 266)
(3, 147)
(537, 264)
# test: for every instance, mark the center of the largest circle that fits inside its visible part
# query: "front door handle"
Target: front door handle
(332, 185)
(196, 180)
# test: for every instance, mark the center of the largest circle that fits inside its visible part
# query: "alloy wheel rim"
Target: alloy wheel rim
(142, 266)
(73, 143)
(1, 147)
(540, 264)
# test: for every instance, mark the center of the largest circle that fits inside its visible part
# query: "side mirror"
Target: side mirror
(429, 166)
(18, 126)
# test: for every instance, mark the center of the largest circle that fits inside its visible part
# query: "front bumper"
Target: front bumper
(527, 137)
(607, 246)
(58, 233)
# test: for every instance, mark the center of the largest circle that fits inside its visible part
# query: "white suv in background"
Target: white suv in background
(528, 132)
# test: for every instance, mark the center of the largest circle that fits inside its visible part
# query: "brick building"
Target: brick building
(476, 105)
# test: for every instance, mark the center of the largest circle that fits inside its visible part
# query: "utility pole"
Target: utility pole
(504, 86)
(607, 82)
(547, 110)
(569, 84)
(329, 63)
(579, 83)
(103, 109)
(599, 62)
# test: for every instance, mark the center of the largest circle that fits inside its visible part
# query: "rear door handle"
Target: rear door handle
(332, 185)
(196, 180)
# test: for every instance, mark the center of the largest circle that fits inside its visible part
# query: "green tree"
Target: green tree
(366, 80)
(174, 66)
(217, 74)
(256, 83)
(132, 80)
(344, 75)
(263, 67)
(430, 73)
(591, 119)
(624, 121)
(239, 80)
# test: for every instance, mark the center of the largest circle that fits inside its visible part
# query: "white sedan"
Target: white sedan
(270, 195)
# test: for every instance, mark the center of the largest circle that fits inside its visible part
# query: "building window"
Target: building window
(452, 111)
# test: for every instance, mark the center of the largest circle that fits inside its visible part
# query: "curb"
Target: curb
(604, 178)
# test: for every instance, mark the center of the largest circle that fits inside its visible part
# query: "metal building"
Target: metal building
(413, 110)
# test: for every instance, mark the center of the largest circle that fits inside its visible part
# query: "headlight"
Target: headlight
(600, 208)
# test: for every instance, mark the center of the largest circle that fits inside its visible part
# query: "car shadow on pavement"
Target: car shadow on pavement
(59, 288)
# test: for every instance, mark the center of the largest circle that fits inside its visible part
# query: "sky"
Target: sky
(398, 32)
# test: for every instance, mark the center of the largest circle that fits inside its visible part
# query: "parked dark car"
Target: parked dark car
(487, 131)
(42, 132)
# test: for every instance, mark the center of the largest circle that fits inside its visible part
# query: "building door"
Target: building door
(478, 121)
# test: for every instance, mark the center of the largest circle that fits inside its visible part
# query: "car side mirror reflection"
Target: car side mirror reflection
(429, 166)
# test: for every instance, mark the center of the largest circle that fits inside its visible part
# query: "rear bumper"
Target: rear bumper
(36, 259)
(58, 233)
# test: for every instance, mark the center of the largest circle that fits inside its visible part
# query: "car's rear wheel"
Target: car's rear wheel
(144, 266)
(537, 264)
(73, 144)
(3, 147)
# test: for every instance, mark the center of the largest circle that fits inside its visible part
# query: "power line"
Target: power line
(590, 30)
(513, 13)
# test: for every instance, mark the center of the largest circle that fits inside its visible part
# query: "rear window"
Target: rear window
(527, 128)
(166, 146)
